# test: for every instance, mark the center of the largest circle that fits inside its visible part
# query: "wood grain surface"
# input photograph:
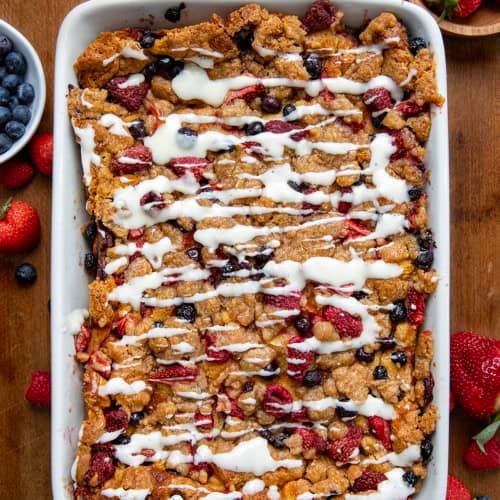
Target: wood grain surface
(474, 100)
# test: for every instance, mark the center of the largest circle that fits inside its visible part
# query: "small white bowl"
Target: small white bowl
(35, 76)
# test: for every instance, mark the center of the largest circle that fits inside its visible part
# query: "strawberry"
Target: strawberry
(355, 229)
(311, 440)
(174, 374)
(475, 373)
(382, 429)
(38, 391)
(319, 16)
(298, 361)
(215, 355)
(41, 150)
(409, 108)
(277, 400)
(342, 449)
(345, 324)
(132, 160)
(247, 93)
(368, 481)
(457, 490)
(236, 411)
(377, 99)
(455, 9)
(116, 420)
(299, 416)
(452, 402)
(399, 143)
(99, 362)
(82, 338)
(415, 307)
(487, 458)
(131, 97)
(282, 127)
(101, 467)
(291, 301)
(19, 227)
(152, 203)
(181, 166)
(15, 174)
(205, 422)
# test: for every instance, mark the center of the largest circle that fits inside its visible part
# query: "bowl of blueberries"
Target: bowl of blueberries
(22, 91)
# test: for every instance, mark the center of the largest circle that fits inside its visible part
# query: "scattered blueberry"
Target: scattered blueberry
(137, 129)
(194, 253)
(271, 368)
(90, 261)
(21, 114)
(5, 45)
(415, 193)
(380, 372)
(228, 149)
(289, 109)
(313, 66)
(303, 325)
(15, 63)
(150, 70)
(425, 260)
(312, 378)
(5, 115)
(254, 128)
(248, 386)
(270, 104)
(399, 357)
(26, 273)
(5, 143)
(177, 67)
(169, 67)
(15, 130)
(262, 258)
(173, 14)
(186, 137)
(398, 312)
(122, 439)
(136, 417)
(426, 449)
(359, 295)
(410, 478)
(11, 81)
(301, 188)
(25, 93)
(275, 440)
(386, 344)
(416, 44)
(364, 356)
(158, 324)
(244, 39)
(377, 120)
(147, 40)
(4, 96)
(345, 414)
(186, 311)
(482, 497)
(90, 232)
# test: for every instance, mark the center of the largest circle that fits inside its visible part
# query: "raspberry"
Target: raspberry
(291, 301)
(247, 93)
(281, 127)
(277, 401)
(82, 338)
(298, 361)
(342, 449)
(409, 108)
(355, 229)
(152, 202)
(116, 420)
(319, 16)
(213, 354)
(181, 166)
(100, 363)
(236, 411)
(377, 99)
(311, 440)
(299, 416)
(174, 374)
(368, 481)
(101, 467)
(205, 422)
(415, 307)
(382, 429)
(38, 391)
(131, 97)
(345, 324)
(140, 158)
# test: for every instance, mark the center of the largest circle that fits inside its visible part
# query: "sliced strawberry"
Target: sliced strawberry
(120, 327)
(99, 362)
(299, 416)
(192, 164)
(277, 401)
(382, 429)
(298, 361)
(116, 420)
(174, 374)
(236, 411)
(415, 306)
(311, 440)
(355, 229)
(131, 96)
(133, 234)
(409, 108)
(291, 301)
(377, 99)
(132, 160)
(215, 355)
(345, 324)
(368, 481)
(282, 127)
(247, 93)
(325, 94)
(205, 422)
(82, 338)
(342, 449)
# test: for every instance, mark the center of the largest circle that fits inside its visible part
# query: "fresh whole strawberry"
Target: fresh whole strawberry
(38, 391)
(298, 361)
(377, 99)
(174, 374)
(345, 324)
(19, 227)
(368, 481)
(475, 373)
(457, 490)
(132, 160)
(42, 152)
(288, 302)
(455, 9)
(342, 449)
(489, 459)
(277, 401)
(15, 174)
(116, 420)
(382, 429)
(131, 96)
(311, 440)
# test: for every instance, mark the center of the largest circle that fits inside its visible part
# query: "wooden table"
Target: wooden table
(473, 68)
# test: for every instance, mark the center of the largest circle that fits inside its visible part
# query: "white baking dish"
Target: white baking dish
(69, 279)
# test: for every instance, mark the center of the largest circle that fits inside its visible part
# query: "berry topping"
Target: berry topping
(270, 104)
(15, 174)
(398, 312)
(368, 481)
(89, 261)
(247, 93)
(204, 422)
(289, 302)
(275, 439)
(38, 391)
(314, 66)
(236, 411)
(26, 273)
(100, 363)
(82, 338)
(19, 227)
(298, 361)
(131, 96)
(415, 193)
(377, 99)
(244, 39)
(90, 232)
(416, 44)
(173, 14)
(132, 160)
(410, 478)
(379, 372)
(277, 401)
(312, 378)
(137, 129)
(147, 39)
(282, 127)
(194, 253)
(382, 429)
(136, 417)
(409, 108)
(364, 356)
(289, 109)
(425, 259)
(319, 16)
(302, 325)
(311, 440)
(399, 357)
(426, 449)
(345, 324)
(186, 312)
(186, 137)
(214, 354)
(101, 467)
(342, 449)
(191, 164)
(415, 307)
(116, 420)
(254, 128)
(174, 374)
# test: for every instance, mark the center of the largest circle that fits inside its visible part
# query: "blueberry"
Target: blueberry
(380, 372)
(244, 39)
(173, 14)
(25, 93)
(415, 193)
(5, 115)
(386, 344)
(254, 128)
(135, 418)
(270, 104)
(15, 63)
(377, 120)
(426, 449)
(344, 414)
(271, 368)
(301, 188)
(261, 259)
(21, 114)
(186, 311)
(229, 267)
(13, 102)
(90, 261)
(26, 273)
(482, 497)
(398, 312)
(425, 240)
(289, 109)
(410, 478)
(399, 357)
(364, 356)
(275, 440)
(122, 439)
(228, 149)
(150, 70)
(425, 260)
(147, 40)
(4, 96)
(15, 130)
(194, 253)
(5, 143)
(248, 386)
(10, 82)
(90, 232)
(137, 129)
(313, 66)
(5, 45)
(164, 64)
(312, 378)
(360, 295)
(3, 73)
(186, 137)
(416, 44)
(302, 324)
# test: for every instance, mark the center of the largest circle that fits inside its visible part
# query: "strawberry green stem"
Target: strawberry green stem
(5, 208)
(487, 433)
